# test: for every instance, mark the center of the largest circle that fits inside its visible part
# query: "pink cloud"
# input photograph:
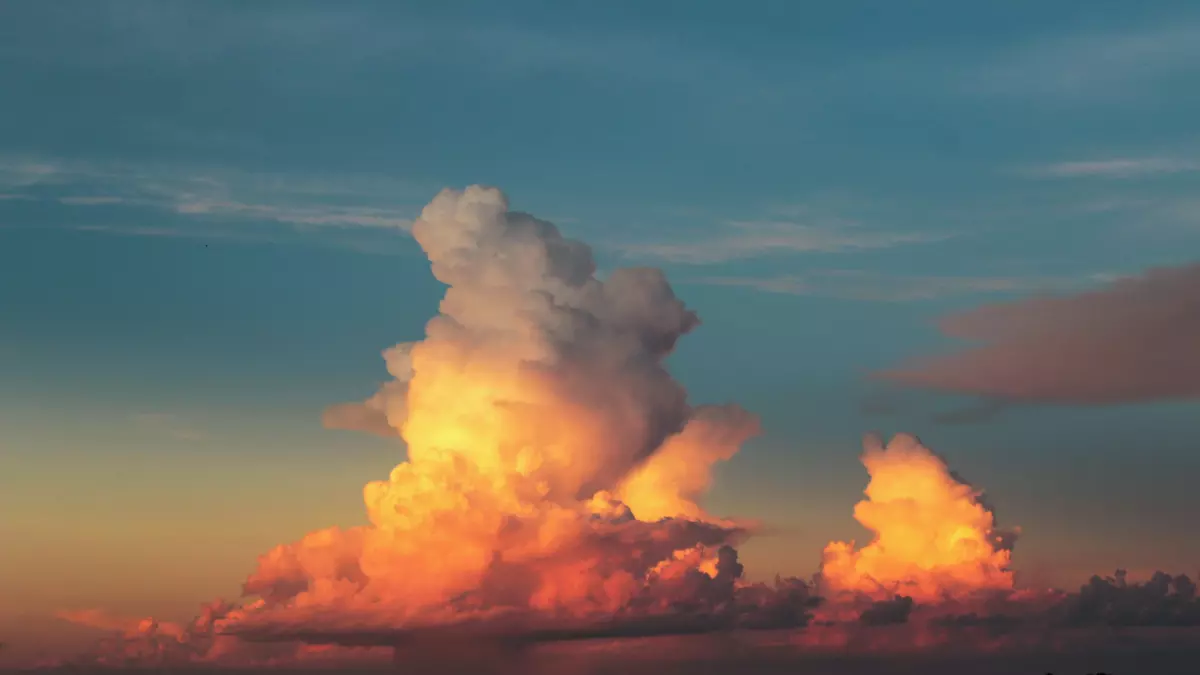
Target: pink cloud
(1134, 340)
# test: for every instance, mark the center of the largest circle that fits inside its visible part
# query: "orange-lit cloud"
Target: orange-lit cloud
(102, 620)
(552, 485)
(553, 462)
(933, 538)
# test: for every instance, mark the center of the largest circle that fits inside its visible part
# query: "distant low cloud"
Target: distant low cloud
(1123, 167)
(871, 286)
(1133, 340)
(741, 240)
(887, 612)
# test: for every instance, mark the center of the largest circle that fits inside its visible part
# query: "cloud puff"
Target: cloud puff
(1134, 340)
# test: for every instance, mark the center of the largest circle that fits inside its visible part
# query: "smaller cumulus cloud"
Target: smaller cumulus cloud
(1133, 340)
(740, 240)
(1121, 167)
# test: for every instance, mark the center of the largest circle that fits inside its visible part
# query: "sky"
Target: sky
(204, 243)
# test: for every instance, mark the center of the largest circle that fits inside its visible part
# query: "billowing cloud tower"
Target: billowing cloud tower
(553, 462)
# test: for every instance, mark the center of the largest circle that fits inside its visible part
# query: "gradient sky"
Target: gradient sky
(202, 245)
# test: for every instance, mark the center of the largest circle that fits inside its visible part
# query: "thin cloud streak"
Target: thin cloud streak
(299, 201)
(752, 239)
(1093, 65)
(90, 201)
(337, 216)
(871, 287)
(171, 232)
(1121, 167)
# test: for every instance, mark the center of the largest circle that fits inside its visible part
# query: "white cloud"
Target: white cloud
(751, 239)
(1123, 167)
(870, 286)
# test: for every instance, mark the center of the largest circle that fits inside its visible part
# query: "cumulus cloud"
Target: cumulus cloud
(934, 537)
(553, 464)
(552, 486)
(1133, 340)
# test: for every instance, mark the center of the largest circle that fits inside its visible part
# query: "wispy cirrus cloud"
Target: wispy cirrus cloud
(1093, 65)
(303, 201)
(1120, 167)
(228, 234)
(84, 200)
(740, 240)
(875, 287)
(324, 215)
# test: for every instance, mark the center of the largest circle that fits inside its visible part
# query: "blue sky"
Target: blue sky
(203, 211)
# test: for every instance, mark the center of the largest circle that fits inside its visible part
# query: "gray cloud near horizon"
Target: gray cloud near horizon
(1133, 340)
